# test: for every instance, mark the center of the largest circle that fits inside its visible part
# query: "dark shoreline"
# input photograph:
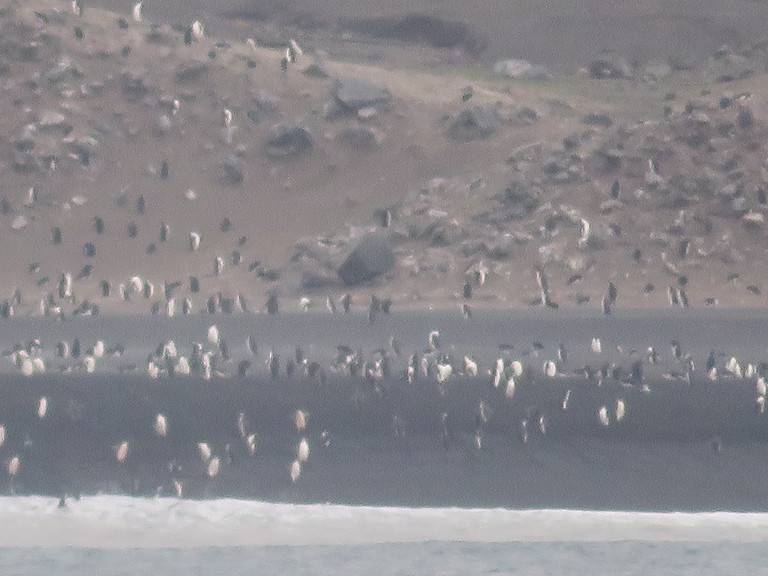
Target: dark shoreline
(660, 457)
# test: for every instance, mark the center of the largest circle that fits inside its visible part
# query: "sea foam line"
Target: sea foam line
(125, 522)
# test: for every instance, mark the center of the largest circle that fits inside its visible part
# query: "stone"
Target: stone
(288, 140)
(163, 124)
(317, 279)
(730, 68)
(52, 121)
(753, 219)
(475, 123)
(316, 70)
(372, 257)
(189, 73)
(745, 118)
(596, 119)
(446, 233)
(355, 93)
(161, 34)
(231, 171)
(63, 71)
(610, 66)
(518, 201)
(367, 113)
(266, 103)
(83, 147)
(521, 70)
(657, 70)
(358, 137)
(133, 85)
(19, 223)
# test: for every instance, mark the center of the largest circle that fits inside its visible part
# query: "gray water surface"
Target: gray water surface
(432, 558)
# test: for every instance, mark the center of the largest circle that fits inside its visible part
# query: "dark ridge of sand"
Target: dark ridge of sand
(660, 457)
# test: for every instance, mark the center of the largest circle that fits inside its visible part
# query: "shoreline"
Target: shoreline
(661, 458)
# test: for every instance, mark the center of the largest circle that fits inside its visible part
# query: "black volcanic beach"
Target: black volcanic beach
(681, 446)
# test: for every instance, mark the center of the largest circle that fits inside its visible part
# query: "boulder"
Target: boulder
(187, 73)
(19, 223)
(63, 71)
(355, 93)
(597, 119)
(133, 84)
(52, 121)
(521, 70)
(518, 200)
(657, 70)
(372, 257)
(231, 171)
(288, 140)
(316, 70)
(267, 104)
(730, 68)
(319, 278)
(161, 34)
(753, 219)
(358, 137)
(474, 123)
(609, 66)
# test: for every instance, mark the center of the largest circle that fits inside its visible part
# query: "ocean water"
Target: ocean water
(429, 558)
(118, 536)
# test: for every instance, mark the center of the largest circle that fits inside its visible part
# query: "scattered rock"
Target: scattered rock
(19, 222)
(657, 70)
(316, 70)
(52, 121)
(266, 103)
(368, 113)
(596, 119)
(729, 67)
(753, 219)
(232, 171)
(162, 35)
(372, 257)
(133, 85)
(518, 201)
(475, 123)
(359, 137)
(64, 71)
(610, 66)
(318, 278)
(288, 140)
(188, 73)
(355, 93)
(521, 70)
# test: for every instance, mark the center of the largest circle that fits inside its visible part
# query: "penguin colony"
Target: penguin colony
(368, 377)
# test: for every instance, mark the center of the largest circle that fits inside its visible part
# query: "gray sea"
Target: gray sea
(429, 558)
(110, 535)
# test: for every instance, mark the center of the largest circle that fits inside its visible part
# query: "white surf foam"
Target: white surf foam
(124, 522)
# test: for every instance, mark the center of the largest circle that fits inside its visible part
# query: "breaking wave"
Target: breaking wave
(127, 522)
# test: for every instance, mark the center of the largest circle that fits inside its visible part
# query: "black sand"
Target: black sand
(660, 458)
(663, 455)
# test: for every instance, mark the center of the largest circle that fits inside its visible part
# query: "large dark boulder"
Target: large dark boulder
(355, 93)
(358, 138)
(288, 140)
(231, 171)
(372, 257)
(610, 66)
(474, 123)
